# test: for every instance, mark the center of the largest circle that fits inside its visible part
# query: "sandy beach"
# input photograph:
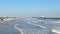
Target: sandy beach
(9, 19)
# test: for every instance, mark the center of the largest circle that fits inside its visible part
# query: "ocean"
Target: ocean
(31, 26)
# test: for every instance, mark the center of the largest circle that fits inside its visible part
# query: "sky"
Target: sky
(30, 8)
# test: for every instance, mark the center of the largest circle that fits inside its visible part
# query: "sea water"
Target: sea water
(30, 26)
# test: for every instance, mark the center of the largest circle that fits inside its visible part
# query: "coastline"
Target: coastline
(9, 19)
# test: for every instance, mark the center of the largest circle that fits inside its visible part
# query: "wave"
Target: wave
(56, 31)
(34, 26)
(18, 29)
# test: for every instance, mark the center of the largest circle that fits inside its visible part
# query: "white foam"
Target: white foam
(39, 25)
(57, 22)
(36, 25)
(33, 23)
(39, 20)
(19, 30)
(56, 31)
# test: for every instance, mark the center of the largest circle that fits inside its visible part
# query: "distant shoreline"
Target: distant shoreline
(46, 18)
(6, 19)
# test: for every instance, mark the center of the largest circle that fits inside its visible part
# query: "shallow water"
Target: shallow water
(30, 26)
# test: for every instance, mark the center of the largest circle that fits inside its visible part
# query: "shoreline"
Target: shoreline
(9, 19)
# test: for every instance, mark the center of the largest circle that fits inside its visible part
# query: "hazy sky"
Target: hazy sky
(28, 8)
